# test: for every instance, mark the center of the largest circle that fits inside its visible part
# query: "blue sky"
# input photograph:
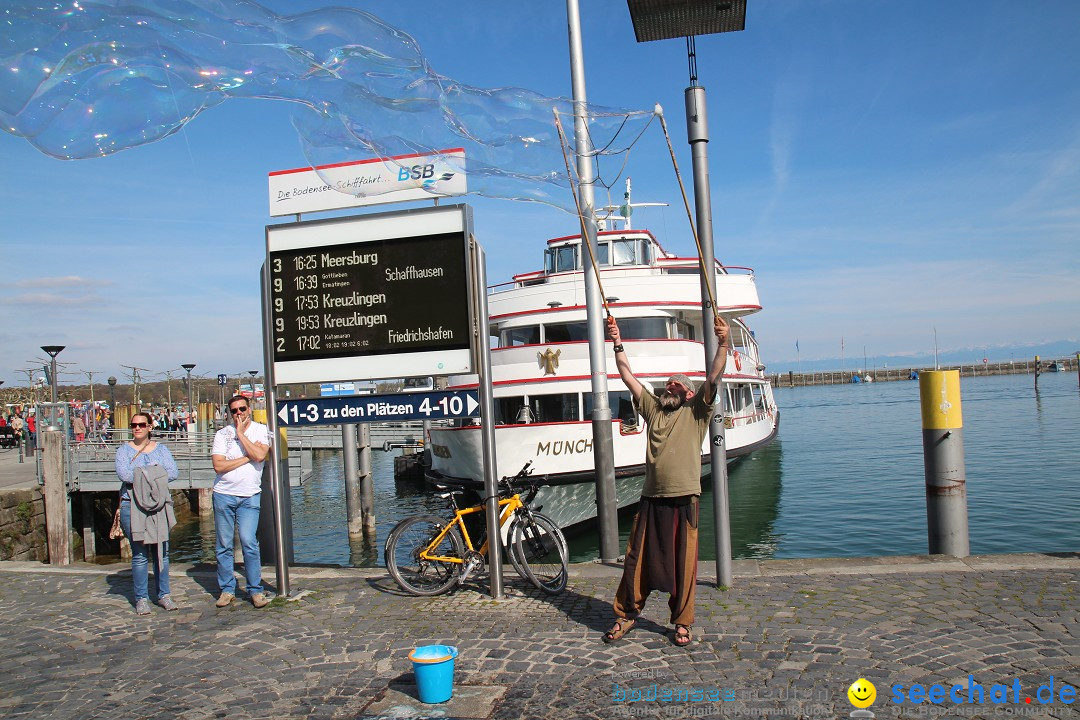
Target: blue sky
(887, 169)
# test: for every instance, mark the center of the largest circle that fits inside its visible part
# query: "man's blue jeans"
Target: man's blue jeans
(140, 559)
(231, 511)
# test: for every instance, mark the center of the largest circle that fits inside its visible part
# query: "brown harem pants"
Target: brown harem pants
(661, 555)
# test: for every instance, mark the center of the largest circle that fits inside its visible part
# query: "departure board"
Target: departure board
(338, 290)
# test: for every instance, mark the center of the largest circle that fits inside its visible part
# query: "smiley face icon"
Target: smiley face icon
(862, 693)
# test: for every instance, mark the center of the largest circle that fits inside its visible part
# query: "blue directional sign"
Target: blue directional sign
(378, 408)
(222, 379)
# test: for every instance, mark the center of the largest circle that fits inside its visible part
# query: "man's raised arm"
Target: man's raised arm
(622, 362)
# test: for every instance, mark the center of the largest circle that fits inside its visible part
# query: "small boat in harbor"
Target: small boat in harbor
(542, 380)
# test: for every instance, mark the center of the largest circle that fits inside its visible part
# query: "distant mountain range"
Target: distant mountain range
(965, 356)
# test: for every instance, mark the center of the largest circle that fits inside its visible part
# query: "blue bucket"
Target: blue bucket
(433, 666)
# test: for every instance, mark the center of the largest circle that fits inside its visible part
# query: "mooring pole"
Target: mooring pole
(367, 480)
(943, 463)
(352, 480)
(57, 512)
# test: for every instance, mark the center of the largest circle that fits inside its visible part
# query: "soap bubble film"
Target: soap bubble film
(91, 78)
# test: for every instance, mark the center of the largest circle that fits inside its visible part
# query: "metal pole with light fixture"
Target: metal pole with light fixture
(253, 373)
(52, 351)
(607, 511)
(663, 20)
(190, 405)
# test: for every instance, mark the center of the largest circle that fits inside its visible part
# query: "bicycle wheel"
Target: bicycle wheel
(508, 548)
(541, 551)
(402, 554)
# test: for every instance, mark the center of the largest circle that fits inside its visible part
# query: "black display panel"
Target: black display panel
(365, 298)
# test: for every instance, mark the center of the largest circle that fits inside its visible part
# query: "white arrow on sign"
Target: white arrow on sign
(471, 404)
(283, 414)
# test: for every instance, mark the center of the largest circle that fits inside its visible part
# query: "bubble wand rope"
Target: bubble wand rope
(689, 217)
(581, 216)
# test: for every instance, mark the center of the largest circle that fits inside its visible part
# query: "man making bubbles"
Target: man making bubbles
(662, 550)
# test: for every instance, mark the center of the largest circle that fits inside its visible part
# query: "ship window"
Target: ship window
(566, 332)
(566, 258)
(622, 406)
(528, 335)
(507, 409)
(744, 399)
(655, 328)
(684, 330)
(759, 401)
(602, 253)
(647, 253)
(562, 407)
(549, 261)
(623, 252)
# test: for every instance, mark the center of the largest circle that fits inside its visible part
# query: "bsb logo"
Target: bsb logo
(416, 172)
(422, 172)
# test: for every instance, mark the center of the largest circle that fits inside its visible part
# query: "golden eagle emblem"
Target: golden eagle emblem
(549, 360)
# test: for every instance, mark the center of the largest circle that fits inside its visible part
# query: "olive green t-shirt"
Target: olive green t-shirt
(673, 449)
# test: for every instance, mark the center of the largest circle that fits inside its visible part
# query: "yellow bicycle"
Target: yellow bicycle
(427, 555)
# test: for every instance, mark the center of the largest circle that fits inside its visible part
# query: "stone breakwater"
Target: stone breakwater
(839, 377)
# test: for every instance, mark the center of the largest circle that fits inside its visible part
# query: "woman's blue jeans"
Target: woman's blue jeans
(140, 559)
(231, 512)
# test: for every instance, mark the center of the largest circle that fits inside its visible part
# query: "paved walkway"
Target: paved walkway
(786, 641)
(15, 475)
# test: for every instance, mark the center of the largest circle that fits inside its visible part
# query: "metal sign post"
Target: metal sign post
(281, 565)
(478, 299)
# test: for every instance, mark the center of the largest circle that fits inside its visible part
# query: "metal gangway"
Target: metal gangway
(90, 466)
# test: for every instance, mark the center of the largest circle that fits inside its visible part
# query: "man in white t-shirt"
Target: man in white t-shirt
(238, 455)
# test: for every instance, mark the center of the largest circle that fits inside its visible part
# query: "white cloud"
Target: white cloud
(51, 300)
(60, 282)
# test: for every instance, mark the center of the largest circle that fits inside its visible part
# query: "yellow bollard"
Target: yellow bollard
(943, 463)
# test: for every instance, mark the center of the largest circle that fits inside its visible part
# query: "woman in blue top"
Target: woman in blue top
(140, 452)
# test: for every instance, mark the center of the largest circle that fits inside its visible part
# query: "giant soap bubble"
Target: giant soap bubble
(94, 77)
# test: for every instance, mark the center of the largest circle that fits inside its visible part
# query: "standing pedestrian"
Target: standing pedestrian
(78, 427)
(662, 551)
(141, 452)
(238, 453)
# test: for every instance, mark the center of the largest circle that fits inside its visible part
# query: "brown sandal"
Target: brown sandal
(683, 637)
(621, 627)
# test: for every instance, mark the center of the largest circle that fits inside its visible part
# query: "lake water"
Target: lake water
(844, 478)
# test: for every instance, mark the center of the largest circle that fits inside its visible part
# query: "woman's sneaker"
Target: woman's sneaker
(167, 602)
(142, 606)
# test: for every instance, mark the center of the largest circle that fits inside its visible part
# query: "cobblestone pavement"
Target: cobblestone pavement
(785, 641)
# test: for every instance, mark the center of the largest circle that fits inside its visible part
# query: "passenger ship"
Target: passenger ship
(541, 376)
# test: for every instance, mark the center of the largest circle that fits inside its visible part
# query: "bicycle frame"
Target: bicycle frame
(508, 507)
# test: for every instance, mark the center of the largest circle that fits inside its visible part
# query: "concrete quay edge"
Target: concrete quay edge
(772, 568)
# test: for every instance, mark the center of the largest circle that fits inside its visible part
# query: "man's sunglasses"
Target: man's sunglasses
(135, 425)
(234, 411)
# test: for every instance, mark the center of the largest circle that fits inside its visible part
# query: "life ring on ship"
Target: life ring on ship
(738, 360)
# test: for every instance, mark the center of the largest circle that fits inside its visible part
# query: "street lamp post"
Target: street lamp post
(52, 351)
(663, 20)
(189, 367)
(253, 373)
